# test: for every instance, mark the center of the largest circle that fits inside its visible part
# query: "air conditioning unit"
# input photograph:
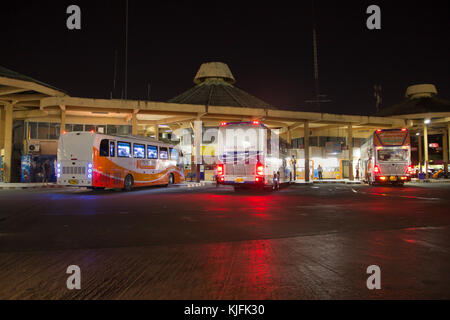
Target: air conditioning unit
(34, 148)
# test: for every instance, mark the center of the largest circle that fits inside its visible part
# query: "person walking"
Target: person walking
(320, 171)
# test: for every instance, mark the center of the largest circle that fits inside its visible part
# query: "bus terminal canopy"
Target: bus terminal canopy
(174, 115)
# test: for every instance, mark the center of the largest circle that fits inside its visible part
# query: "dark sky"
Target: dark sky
(268, 46)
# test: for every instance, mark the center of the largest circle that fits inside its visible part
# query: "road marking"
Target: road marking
(398, 196)
(354, 191)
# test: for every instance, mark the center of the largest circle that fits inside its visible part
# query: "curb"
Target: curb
(328, 182)
(31, 187)
(196, 185)
(431, 181)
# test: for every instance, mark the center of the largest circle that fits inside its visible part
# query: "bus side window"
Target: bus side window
(163, 153)
(152, 152)
(104, 145)
(112, 149)
(139, 151)
(124, 149)
(173, 154)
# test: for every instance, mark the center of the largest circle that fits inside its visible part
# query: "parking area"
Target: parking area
(304, 242)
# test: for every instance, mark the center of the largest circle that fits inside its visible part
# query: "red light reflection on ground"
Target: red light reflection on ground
(241, 269)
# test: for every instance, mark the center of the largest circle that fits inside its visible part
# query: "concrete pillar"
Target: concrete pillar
(289, 136)
(2, 127)
(445, 146)
(63, 119)
(425, 142)
(350, 152)
(306, 143)
(420, 153)
(156, 127)
(134, 124)
(198, 146)
(8, 141)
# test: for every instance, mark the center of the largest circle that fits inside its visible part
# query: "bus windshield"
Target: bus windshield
(392, 155)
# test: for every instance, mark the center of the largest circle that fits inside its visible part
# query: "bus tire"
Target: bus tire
(171, 179)
(128, 183)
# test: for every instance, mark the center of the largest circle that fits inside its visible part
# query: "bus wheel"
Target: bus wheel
(171, 179)
(128, 183)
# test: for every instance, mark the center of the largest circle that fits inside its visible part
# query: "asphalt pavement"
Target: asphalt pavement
(304, 242)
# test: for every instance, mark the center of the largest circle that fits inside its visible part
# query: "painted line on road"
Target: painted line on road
(395, 196)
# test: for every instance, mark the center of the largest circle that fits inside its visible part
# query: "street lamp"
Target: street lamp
(427, 121)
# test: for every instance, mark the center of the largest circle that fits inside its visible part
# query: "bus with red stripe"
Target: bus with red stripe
(98, 161)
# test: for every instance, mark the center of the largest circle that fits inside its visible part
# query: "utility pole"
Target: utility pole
(126, 52)
(316, 62)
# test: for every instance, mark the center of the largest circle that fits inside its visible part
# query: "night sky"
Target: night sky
(268, 46)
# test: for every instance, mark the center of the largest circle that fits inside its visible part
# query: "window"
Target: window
(104, 145)
(55, 129)
(77, 127)
(139, 151)
(173, 154)
(32, 130)
(100, 129)
(152, 152)
(163, 153)
(123, 149)
(392, 155)
(43, 130)
(112, 149)
(89, 128)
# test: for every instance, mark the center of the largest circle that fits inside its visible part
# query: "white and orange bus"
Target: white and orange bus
(87, 159)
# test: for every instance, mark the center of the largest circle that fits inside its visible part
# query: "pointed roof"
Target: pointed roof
(416, 106)
(215, 87)
(7, 73)
(420, 99)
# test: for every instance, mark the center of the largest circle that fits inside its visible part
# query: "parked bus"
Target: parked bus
(87, 159)
(386, 157)
(249, 156)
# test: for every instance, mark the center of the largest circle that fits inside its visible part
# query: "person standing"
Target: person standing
(47, 171)
(320, 171)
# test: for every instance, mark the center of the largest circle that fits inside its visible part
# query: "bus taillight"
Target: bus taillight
(260, 169)
(410, 169)
(220, 169)
(376, 169)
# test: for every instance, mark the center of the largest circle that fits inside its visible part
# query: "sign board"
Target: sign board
(391, 138)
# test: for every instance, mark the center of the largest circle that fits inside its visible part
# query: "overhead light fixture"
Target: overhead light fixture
(427, 121)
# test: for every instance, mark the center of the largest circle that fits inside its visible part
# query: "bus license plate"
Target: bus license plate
(239, 180)
(73, 181)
